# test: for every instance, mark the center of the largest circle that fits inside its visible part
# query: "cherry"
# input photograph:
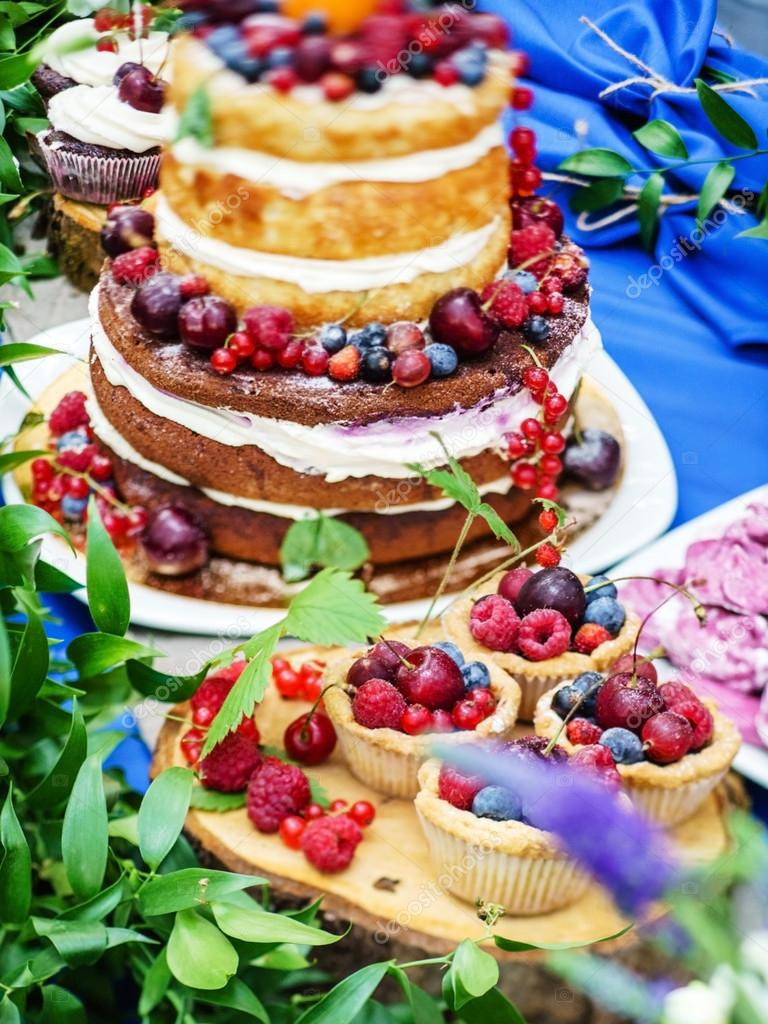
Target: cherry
(291, 830)
(626, 702)
(126, 228)
(594, 459)
(141, 90)
(363, 812)
(368, 667)
(126, 69)
(156, 304)
(312, 58)
(529, 210)
(390, 653)
(431, 678)
(667, 737)
(629, 663)
(206, 322)
(174, 544)
(416, 719)
(310, 739)
(458, 319)
(512, 582)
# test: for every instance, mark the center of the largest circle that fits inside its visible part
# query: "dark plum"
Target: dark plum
(557, 588)
(174, 543)
(156, 305)
(126, 228)
(206, 322)
(458, 319)
(594, 459)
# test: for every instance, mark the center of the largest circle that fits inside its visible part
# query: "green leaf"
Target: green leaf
(257, 925)
(60, 1006)
(513, 946)
(491, 1008)
(760, 231)
(76, 942)
(84, 839)
(57, 784)
(162, 813)
(20, 351)
(211, 800)
(30, 666)
(597, 163)
(50, 580)
(198, 954)
(108, 599)
(471, 974)
(102, 904)
(424, 1009)
(648, 208)
(156, 982)
(334, 609)
(716, 184)
(21, 524)
(498, 527)
(9, 1012)
(597, 196)
(5, 672)
(151, 683)
(9, 172)
(93, 653)
(15, 867)
(196, 119)
(663, 138)
(12, 460)
(189, 888)
(322, 542)
(235, 996)
(249, 688)
(347, 999)
(724, 119)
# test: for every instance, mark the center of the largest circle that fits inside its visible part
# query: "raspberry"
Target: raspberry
(330, 843)
(598, 760)
(269, 326)
(494, 623)
(507, 303)
(459, 790)
(699, 718)
(214, 689)
(378, 705)
(79, 458)
(345, 365)
(544, 633)
(674, 692)
(276, 790)
(192, 286)
(230, 764)
(547, 556)
(589, 637)
(527, 243)
(191, 744)
(580, 731)
(69, 413)
(136, 266)
(571, 267)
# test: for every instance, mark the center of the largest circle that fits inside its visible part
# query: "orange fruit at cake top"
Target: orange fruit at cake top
(343, 15)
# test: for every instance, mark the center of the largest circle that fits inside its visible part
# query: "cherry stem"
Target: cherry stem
(448, 572)
(534, 357)
(401, 658)
(571, 714)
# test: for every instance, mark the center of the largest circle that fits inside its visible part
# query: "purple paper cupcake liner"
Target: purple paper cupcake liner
(99, 179)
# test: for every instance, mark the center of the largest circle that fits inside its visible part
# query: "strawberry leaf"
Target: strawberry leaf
(333, 609)
(323, 542)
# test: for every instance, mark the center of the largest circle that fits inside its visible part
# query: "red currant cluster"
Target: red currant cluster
(63, 483)
(535, 448)
(110, 20)
(292, 828)
(304, 683)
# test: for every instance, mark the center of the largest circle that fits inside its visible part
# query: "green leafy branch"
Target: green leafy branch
(321, 542)
(612, 172)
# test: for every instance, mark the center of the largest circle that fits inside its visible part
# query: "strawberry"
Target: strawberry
(345, 365)
(589, 637)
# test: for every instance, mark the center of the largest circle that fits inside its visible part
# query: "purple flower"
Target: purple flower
(618, 846)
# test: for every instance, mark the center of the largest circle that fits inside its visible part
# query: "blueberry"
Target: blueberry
(536, 329)
(333, 338)
(269, 6)
(373, 335)
(73, 508)
(609, 590)
(420, 65)
(443, 358)
(475, 673)
(222, 36)
(606, 612)
(315, 24)
(524, 279)
(72, 439)
(369, 80)
(471, 65)
(376, 365)
(497, 803)
(624, 745)
(564, 700)
(587, 685)
(191, 20)
(281, 56)
(235, 55)
(451, 650)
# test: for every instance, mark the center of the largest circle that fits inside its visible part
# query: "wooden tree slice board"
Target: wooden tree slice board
(391, 889)
(73, 238)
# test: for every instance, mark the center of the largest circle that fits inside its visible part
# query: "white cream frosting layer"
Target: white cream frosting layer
(296, 179)
(321, 276)
(388, 504)
(338, 451)
(90, 66)
(94, 114)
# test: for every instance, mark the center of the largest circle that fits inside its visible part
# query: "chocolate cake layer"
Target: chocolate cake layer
(256, 537)
(69, 144)
(294, 396)
(48, 82)
(247, 471)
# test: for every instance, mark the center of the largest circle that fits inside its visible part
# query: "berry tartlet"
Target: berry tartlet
(543, 628)
(482, 850)
(388, 704)
(671, 749)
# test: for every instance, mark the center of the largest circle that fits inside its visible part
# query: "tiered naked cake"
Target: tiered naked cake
(335, 293)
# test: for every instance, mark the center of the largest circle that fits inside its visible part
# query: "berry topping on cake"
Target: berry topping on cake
(459, 320)
(451, 650)
(310, 739)
(69, 414)
(142, 90)
(699, 718)
(667, 737)
(126, 228)
(626, 746)
(430, 677)
(557, 588)
(230, 764)
(593, 458)
(206, 322)
(580, 732)
(544, 633)
(378, 704)
(528, 243)
(389, 653)
(498, 804)
(411, 368)
(494, 623)
(589, 637)
(506, 303)
(530, 210)
(636, 665)
(459, 790)
(156, 305)
(345, 365)
(378, 663)
(174, 543)
(599, 760)
(207, 700)
(606, 612)
(511, 583)
(136, 266)
(329, 843)
(276, 790)
(627, 701)
(475, 675)
(416, 719)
